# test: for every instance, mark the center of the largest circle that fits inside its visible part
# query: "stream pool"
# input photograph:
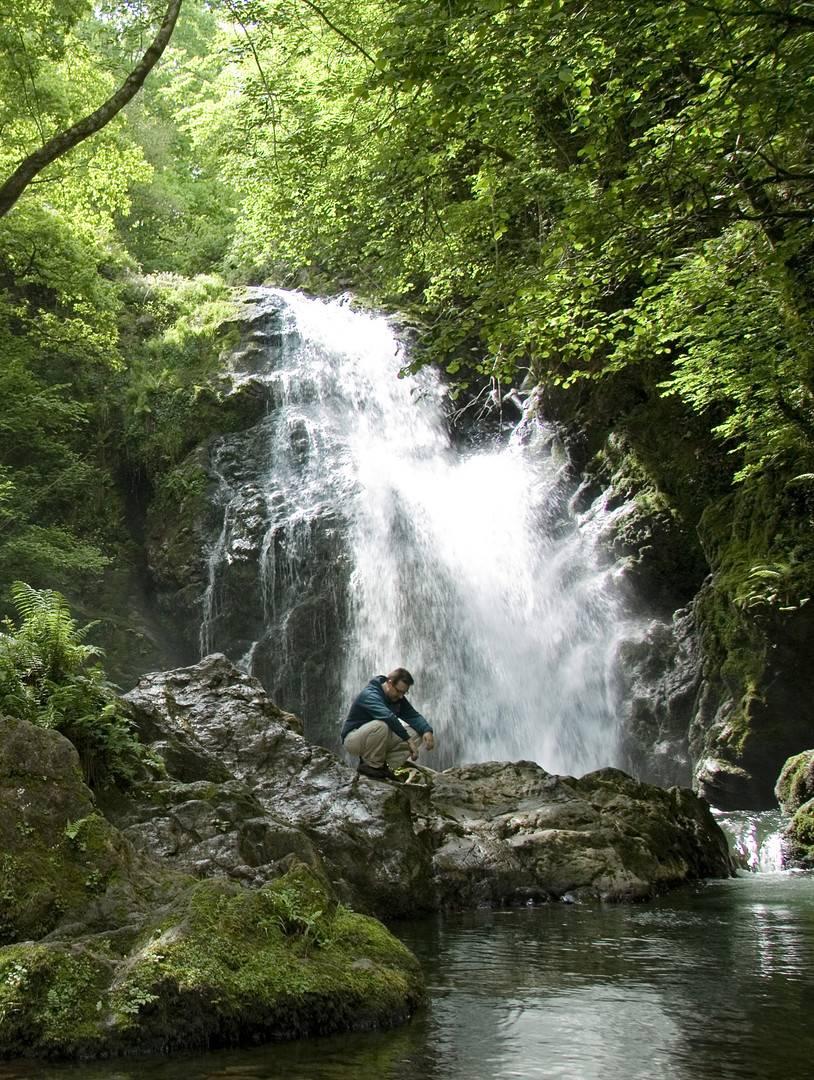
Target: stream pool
(710, 983)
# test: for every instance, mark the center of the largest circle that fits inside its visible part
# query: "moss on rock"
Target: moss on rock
(50, 999)
(108, 952)
(57, 854)
(795, 785)
(224, 965)
(799, 838)
(756, 626)
(279, 962)
(795, 793)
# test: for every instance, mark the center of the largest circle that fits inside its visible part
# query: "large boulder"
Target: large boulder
(795, 793)
(491, 833)
(226, 747)
(795, 785)
(513, 833)
(106, 951)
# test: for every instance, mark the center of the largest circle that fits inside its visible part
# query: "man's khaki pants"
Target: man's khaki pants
(376, 744)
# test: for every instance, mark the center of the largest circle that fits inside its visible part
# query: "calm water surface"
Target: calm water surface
(708, 984)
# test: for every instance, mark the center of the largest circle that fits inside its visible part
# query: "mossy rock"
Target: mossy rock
(799, 837)
(109, 952)
(795, 793)
(57, 854)
(795, 785)
(225, 965)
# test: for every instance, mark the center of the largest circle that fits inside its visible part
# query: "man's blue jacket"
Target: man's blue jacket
(371, 704)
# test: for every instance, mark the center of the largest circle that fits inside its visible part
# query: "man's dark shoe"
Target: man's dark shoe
(373, 772)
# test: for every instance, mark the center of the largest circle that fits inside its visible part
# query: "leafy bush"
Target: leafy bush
(48, 676)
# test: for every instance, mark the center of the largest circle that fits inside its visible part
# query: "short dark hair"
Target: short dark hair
(400, 674)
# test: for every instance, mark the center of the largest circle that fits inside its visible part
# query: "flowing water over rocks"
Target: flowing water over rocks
(350, 533)
(756, 838)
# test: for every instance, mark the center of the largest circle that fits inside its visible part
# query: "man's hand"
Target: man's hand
(417, 741)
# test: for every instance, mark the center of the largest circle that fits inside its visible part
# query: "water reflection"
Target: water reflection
(709, 984)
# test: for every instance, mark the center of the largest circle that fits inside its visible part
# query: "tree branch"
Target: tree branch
(345, 37)
(66, 140)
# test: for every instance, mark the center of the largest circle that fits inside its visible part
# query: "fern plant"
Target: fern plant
(51, 677)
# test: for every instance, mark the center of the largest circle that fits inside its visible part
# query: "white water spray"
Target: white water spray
(466, 568)
(756, 838)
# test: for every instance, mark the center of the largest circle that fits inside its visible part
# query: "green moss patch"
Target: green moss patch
(795, 784)
(800, 837)
(50, 999)
(225, 965)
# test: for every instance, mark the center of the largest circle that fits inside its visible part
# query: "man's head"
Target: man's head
(397, 683)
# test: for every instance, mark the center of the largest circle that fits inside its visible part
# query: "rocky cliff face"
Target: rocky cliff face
(720, 685)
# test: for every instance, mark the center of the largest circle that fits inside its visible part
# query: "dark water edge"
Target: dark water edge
(710, 983)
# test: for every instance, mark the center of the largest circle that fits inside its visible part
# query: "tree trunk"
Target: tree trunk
(66, 140)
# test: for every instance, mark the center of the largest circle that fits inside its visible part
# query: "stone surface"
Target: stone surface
(492, 833)
(795, 785)
(513, 833)
(795, 793)
(662, 677)
(105, 950)
(213, 722)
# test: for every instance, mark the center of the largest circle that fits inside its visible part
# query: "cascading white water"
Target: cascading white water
(465, 567)
(755, 837)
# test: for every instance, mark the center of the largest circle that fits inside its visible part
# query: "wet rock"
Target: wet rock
(107, 950)
(513, 832)
(211, 717)
(662, 678)
(795, 793)
(727, 785)
(492, 833)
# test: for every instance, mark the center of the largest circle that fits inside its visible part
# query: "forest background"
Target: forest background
(612, 203)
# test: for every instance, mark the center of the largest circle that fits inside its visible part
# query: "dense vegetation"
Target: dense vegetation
(615, 200)
(50, 676)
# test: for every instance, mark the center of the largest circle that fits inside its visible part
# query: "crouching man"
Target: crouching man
(383, 729)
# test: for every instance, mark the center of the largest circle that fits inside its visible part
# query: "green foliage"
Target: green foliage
(175, 333)
(770, 587)
(594, 196)
(50, 79)
(58, 339)
(302, 912)
(180, 216)
(741, 350)
(47, 678)
(554, 190)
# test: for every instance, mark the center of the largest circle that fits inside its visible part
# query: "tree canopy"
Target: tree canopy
(553, 192)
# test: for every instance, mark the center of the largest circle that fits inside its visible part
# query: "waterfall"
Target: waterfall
(755, 837)
(353, 536)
